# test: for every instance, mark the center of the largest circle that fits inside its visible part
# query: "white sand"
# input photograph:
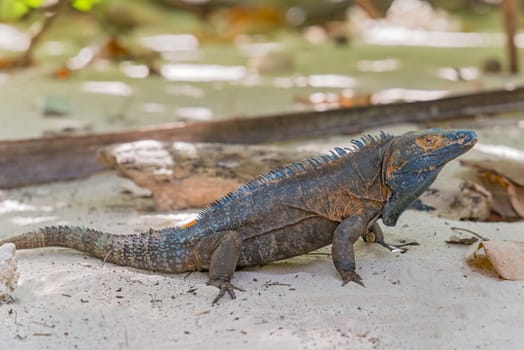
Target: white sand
(427, 298)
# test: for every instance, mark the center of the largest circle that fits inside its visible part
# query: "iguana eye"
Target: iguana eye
(429, 141)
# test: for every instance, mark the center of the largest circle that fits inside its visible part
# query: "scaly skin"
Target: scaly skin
(334, 199)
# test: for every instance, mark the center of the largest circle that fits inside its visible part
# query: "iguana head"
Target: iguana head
(412, 162)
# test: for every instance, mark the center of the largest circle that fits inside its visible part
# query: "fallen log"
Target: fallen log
(31, 161)
(184, 175)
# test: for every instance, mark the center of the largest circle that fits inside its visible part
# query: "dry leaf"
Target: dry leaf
(503, 178)
(506, 257)
(511, 170)
(516, 197)
(472, 202)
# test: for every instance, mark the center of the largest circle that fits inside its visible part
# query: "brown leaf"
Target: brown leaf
(506, 257)
(516, 197)
(472, 202)
(511, 170)
(503, 178)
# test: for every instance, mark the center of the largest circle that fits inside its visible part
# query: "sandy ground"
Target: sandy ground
(428, 298)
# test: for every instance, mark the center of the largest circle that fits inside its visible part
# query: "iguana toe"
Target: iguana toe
(351, 276)
(398, 247)
(224, 286)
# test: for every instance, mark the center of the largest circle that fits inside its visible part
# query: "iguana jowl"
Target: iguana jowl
(334, 198)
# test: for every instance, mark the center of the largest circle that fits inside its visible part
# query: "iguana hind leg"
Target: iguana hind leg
(376, 235)
(219, 254)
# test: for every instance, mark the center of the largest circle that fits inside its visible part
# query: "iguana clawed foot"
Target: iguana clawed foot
(351, 276)
(371, 237)
(396, 248)
(224, 286)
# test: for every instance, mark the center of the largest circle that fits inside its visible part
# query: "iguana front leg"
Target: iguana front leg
(345, 235)
(219, 254)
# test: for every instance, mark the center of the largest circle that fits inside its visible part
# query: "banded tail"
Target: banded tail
(148, 250)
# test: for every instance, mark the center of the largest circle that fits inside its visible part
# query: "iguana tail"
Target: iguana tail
(149, 250)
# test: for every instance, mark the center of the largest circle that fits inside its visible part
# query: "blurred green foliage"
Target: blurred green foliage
(14, 9)
(85, 5)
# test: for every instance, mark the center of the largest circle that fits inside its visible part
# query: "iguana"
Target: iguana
(334, 198)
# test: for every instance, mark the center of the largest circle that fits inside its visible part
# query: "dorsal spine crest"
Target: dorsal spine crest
(295, 169)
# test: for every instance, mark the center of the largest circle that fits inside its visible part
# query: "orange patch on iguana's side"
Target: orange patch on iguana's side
(189, 224)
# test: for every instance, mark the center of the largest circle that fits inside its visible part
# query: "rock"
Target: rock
(8, 272)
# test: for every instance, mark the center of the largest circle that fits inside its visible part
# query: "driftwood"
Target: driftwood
(30, 161)
(184, 175)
